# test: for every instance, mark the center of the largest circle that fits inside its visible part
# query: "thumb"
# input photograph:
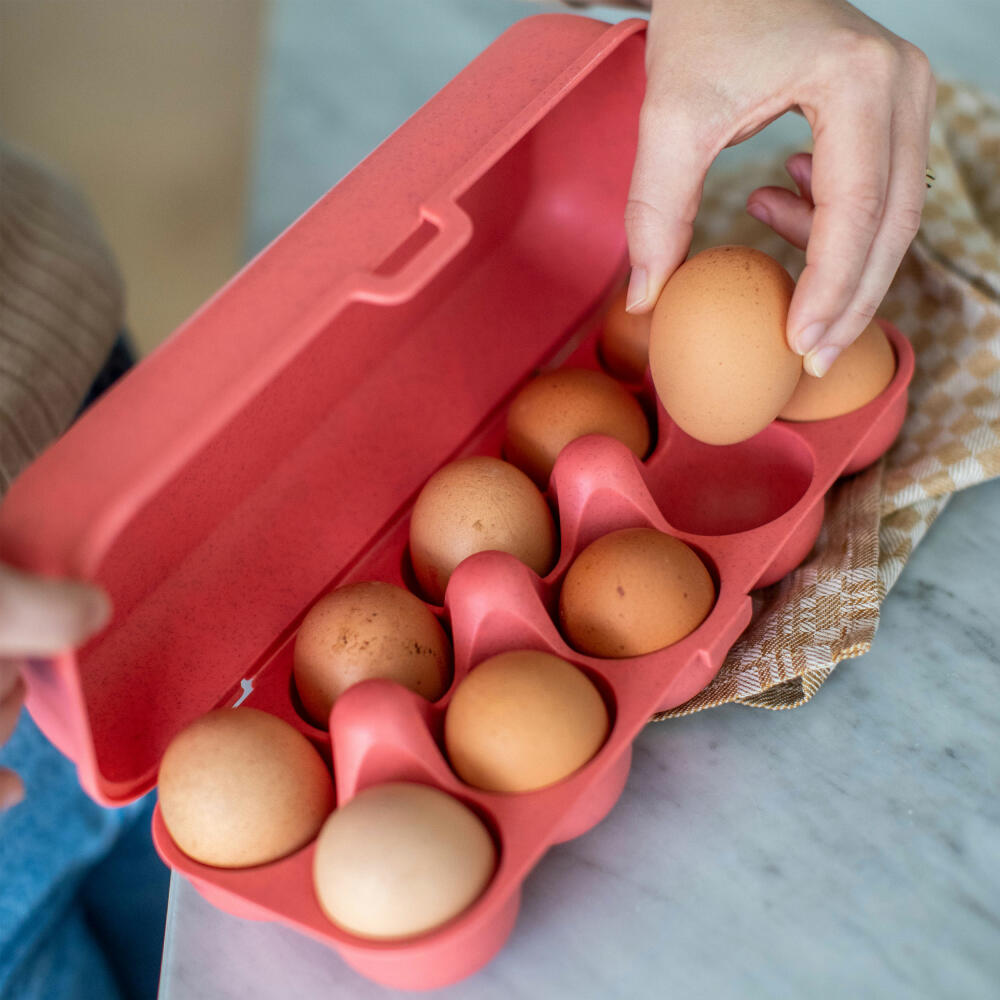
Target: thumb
(40, 616)
(667, 181)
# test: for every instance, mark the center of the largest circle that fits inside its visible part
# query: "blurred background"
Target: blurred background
(201, 128)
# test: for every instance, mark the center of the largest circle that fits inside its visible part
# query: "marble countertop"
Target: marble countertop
(847, 848)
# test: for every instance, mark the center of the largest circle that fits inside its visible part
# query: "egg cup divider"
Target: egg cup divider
(471, 210)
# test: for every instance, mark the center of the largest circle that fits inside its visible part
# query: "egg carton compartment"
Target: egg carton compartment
(382, 732)
(751, 511)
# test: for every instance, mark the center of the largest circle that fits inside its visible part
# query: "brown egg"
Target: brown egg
(367, 630)
(560, 406)
(239, 787)
(474, 505)
(861, 372)
(523, 720)
(717, 349)
(632, 592)
(624, 340)
(401, 859)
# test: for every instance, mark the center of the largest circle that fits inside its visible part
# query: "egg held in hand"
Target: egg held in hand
(366, 630)
(400, 859)
(717, 351)
(239, 787)
(624, 340)
(634, 591)
(861, 373)
(522, 720)
(560, 406)
(474, 505)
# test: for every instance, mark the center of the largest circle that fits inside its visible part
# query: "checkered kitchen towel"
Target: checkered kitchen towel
(946, 298)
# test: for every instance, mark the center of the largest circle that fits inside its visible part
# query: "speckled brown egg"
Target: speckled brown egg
(474, 505)
(624, 340)
(400, 859)
(634, 591)
(523, 720)
(717, 351)
(239, 787)
(365, 630)
(560, 406)
(861, 372)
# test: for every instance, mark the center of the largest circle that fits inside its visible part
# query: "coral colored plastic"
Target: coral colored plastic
(273, 447)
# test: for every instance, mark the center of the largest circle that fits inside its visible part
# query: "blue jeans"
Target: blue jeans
(82, 893)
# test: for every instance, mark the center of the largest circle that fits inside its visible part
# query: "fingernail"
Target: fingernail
(638, 288)
(819, 362)
(759, 212)
(809, 337)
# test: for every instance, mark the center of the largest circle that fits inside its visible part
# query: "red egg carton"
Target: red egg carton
(272, 450)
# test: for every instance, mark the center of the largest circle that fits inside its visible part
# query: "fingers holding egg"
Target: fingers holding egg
(717, 352)
(860, 373)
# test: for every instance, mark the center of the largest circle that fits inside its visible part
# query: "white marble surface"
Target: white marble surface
(848, 848)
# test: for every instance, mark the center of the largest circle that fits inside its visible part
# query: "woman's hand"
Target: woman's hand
(718, 71)
(38, 617)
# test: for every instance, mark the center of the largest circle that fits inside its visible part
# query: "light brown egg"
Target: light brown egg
(624, 340)
(239, 787)
(523, 720)
(367, 630)
(861, 372)
(634, 591)
(560, 406)
(717, 351)
(399, 860)
(474, 505)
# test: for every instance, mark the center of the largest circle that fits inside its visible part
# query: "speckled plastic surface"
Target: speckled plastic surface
(272, 449)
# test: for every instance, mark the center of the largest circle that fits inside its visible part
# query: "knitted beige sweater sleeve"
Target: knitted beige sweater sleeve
(60, 307)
